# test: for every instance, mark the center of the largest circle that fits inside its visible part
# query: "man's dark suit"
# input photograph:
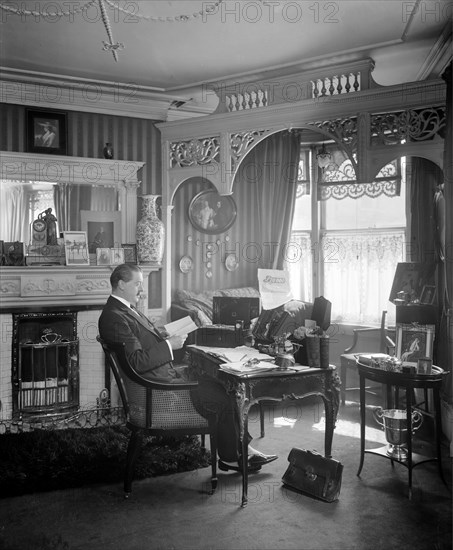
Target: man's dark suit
(150, 356)
(147, 351)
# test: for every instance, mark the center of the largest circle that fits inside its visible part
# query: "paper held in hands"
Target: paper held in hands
(181, 327)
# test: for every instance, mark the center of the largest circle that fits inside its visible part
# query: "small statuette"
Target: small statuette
(108, 151)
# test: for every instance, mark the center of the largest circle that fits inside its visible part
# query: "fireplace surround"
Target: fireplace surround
(67, 301)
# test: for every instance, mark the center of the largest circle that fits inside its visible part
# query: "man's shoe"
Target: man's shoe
(258, 459)
(225, 467)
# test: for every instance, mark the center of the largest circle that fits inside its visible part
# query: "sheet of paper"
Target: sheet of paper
(242, 367)
(181, 326)
(274, 287)
(231, 355)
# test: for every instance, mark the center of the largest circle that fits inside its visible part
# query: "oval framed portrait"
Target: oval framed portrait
(212, 213)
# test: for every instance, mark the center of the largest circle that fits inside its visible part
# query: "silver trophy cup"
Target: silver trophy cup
(394, 422)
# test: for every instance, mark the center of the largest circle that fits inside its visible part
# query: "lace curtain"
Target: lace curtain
(364, 261)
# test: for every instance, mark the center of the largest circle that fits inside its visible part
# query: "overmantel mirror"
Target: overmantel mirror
(33, 186)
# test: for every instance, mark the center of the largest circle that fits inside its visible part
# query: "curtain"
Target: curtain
(425, 179)
(14, 223)
(445, 346)
(359, 271)
(104, 199)
(69, 201)
(271, 170)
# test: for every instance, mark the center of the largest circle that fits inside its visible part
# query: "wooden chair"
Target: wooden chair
(153, 408)
(348, 359)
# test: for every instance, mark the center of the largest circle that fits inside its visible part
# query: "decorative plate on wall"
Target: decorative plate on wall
(231, 262)
(185, 264)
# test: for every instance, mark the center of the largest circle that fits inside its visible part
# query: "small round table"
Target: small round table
(393, 381)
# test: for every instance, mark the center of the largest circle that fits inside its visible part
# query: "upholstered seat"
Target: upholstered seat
(153, 408)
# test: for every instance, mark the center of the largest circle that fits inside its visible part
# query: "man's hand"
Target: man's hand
(177, 342)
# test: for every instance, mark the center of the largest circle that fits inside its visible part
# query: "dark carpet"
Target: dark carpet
(175, 512)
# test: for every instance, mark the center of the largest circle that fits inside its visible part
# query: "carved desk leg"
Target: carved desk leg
(331, 404)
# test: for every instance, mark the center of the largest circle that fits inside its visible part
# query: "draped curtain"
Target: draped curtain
(271, 170)
(14, 223)
(69, 201)
(445, 347)
(425, 180)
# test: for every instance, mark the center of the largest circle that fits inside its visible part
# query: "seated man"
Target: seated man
(150, 354)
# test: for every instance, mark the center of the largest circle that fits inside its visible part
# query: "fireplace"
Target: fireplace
(45, 364)
(52, 369)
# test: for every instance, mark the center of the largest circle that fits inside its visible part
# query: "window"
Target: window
(351, 255)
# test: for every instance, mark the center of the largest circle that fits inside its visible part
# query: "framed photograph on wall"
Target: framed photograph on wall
(414, 342)
(212, 213)
(102, 228)
(76, 248)
(46, 131)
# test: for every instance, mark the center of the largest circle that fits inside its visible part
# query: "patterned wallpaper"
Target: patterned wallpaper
(239, 240)
(137, 139)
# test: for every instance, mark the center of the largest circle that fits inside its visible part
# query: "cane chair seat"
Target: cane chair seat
(155, 408)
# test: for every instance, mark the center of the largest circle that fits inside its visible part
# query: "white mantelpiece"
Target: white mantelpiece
(120, 174)
(48, 286)
(84, 289)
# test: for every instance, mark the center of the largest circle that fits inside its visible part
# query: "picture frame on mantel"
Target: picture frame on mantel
(103, 229)
(46, 132)
(76, 248)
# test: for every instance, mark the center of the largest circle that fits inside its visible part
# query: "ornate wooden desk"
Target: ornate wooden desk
(271, 386)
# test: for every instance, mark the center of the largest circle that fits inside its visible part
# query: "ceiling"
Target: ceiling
(237, 38)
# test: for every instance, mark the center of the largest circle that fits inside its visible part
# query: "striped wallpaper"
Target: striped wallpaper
(132, 139)
(139, 140)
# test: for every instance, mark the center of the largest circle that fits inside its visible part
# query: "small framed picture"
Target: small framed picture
(428, 295)
(103, 228)
(116, 256)
(424, 365)
(76, 248)
(414, 342)
(46, 131)
(103, 256)
(13, 253)
(130, 253)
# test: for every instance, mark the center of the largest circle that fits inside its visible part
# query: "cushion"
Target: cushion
(202, 301)
(245, 292)
(202, 319)
(196, 300)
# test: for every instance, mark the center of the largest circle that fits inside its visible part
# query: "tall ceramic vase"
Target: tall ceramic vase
(150, 232)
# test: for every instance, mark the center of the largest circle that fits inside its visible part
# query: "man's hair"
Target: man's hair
(123, 272)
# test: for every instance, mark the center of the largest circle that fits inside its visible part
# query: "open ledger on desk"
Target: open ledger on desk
(243, 360)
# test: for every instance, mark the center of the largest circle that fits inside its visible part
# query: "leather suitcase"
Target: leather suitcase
(314, 475)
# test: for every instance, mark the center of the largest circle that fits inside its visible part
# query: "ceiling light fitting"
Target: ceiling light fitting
(323, 157)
